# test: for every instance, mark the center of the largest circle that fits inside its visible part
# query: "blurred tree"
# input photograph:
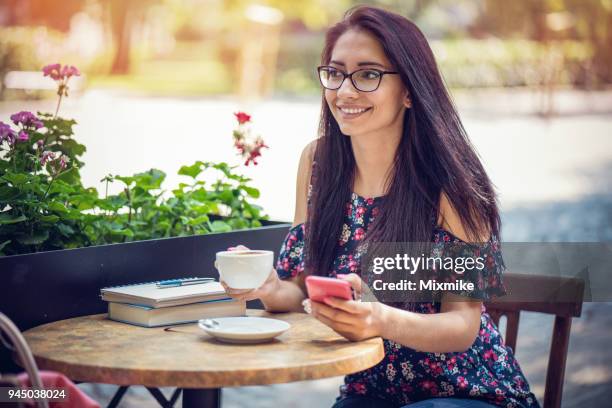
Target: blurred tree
(40, 12)
(124, 14)
(588, 21)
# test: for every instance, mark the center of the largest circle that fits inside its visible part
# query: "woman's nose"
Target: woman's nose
(347, 89)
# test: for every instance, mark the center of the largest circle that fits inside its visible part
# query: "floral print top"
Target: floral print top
(487, 371)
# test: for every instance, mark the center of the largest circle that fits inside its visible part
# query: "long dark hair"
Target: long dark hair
(434, 154)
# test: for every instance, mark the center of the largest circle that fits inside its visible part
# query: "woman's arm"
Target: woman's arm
(454, 329)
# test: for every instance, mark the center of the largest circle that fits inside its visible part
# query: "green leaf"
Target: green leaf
(238, 223)
(37, 238)
(113, 202)
(125, 179)
(6, 218)
(8, 193)
(49, 218)
(192, 171)
(72, 148)
(16, 178)
(226, 196)
(202, 209)
(3, 244)
(252, 192)
(57, 207)
(61, 187)
(150, 180)
(65, 230)
(126, 232)
(70, 176)
(199, 220)
(220, 226)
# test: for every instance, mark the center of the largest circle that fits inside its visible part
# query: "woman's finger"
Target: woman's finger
(334, 314)
(336, 326)
(349, 306)
(238, 291)
(238, 248)
(353, 279)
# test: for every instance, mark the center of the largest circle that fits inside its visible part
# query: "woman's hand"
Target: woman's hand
(269, 286)
(352, 319)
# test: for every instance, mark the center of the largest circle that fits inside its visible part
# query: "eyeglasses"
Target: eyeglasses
(364, 80)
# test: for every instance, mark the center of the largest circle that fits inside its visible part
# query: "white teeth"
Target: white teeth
(352, 111)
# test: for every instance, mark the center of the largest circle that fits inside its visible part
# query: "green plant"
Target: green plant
(143, 210)
(44, 205)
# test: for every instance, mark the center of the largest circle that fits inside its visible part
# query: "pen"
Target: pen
(183, 282)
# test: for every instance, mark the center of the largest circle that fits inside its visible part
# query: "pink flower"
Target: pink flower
(53, 71)
(430, 386)
(255, 152)
(63, 162)
(359, 388)
(242, 117)
(22, 136)
(6, 133)
(26, 119)
(490, 355)
(462, 382)
(46, 157)
(359, 233)
(69, 71)
(59, 73)
(250, 150)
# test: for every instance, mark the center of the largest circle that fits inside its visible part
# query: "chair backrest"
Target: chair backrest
(568, 292)
(23, 352)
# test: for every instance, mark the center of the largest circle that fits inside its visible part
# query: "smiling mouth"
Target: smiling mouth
(352, 112)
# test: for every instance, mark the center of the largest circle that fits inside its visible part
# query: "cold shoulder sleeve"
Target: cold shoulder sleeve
(290, 261)
(488, 265)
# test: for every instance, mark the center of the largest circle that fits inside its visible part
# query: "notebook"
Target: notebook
(151, 317)
(148, 294)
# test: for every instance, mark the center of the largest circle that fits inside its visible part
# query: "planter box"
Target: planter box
(49, 286)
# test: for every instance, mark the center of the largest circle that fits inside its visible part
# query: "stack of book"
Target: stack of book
(182, 301)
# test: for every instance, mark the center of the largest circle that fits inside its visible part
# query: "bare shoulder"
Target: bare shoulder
(449, 219)
(303, 181)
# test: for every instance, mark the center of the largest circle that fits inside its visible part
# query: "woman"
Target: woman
(393, 164)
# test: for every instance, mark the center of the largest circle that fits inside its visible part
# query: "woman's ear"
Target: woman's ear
(407, 100)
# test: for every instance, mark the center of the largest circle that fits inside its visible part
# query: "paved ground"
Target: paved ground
(553, 176)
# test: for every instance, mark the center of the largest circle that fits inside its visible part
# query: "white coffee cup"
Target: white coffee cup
(244, 269)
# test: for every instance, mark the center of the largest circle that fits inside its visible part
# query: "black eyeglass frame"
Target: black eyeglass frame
(350, 76)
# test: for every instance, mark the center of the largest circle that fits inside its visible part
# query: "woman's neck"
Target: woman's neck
(374, 158)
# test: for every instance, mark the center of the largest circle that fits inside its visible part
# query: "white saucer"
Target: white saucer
(243, 329)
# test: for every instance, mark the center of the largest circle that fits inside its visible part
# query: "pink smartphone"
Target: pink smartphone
(320, 287)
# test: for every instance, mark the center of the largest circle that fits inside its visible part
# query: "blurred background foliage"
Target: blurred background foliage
(204, 47)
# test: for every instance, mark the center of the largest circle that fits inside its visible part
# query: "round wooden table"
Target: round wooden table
(96, 349)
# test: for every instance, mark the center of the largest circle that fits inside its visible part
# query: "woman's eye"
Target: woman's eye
(334, 73)
(370, 75)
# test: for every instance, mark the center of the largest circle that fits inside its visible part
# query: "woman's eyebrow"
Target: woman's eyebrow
(359, 64)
